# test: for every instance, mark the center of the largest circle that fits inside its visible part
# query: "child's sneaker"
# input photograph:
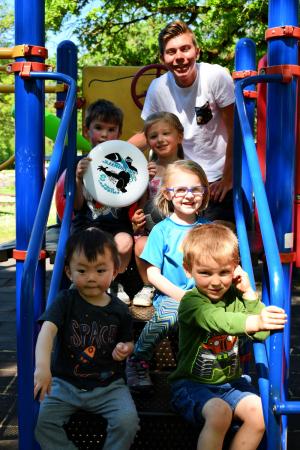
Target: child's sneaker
(118, 290)
(137, 374)
(144, 296)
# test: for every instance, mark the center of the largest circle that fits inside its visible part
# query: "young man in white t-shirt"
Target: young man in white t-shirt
(202, 96)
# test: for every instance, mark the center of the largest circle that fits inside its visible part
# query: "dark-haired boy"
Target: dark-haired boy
(93, 332)
(103, 122)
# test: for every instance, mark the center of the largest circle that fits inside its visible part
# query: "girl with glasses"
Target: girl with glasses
(164, 134)
(184, 193)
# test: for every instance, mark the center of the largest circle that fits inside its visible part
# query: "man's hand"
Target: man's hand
(219, 189)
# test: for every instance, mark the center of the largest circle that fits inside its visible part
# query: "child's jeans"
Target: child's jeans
(113, 402)
(189, 397)
(164, 318)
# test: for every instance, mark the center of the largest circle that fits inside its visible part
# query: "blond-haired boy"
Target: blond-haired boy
(208, 387)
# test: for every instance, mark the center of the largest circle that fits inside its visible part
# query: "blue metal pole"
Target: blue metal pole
(280, 176)
(27, 288)
(245, 59)
(67, 64)
(275, 272)
(29, 170)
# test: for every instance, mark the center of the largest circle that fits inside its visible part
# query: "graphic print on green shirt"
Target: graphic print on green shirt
(217, 356)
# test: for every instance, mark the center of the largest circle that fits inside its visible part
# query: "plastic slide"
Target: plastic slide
(51, 128)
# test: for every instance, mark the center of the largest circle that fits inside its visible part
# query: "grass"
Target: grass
(7, 207)
(8, 190)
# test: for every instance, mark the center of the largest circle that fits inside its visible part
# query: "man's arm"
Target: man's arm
(139, 140)
(219, 189)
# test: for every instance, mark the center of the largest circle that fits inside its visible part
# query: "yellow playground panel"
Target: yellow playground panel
(114, 83)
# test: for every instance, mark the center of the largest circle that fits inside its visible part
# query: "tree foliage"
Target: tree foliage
(117, 32)
(125, 32)
(6, 100)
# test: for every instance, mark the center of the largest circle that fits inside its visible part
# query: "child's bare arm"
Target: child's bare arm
(80, 171)
(163, 284)
(270, 318)
(122, 350)
(43, 349)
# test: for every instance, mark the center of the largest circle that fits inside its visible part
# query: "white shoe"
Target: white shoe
(144, 296)
(118, 290)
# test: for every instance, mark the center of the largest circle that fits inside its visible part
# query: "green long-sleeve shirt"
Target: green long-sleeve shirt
(209, 336)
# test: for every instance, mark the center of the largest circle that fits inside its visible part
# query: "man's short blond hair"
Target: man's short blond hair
(172, 30)
(210, 241)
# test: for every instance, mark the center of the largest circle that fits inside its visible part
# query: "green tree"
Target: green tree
(6, 100)
(125, 32)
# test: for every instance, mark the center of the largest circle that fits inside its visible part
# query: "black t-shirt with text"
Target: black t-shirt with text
(86, 337)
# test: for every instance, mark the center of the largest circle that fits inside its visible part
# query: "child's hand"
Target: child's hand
(122, 351)
(82, 167)
(138, 220)
(42, 383)
(272, 318)
(242, 283)
(152, 169)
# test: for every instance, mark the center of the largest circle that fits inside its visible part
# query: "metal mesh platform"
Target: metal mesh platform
(161, 428)
(87, 431)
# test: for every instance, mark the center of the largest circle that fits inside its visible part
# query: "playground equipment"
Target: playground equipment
(137, 96)
(274, 199)
(52, 124)
(6, 164)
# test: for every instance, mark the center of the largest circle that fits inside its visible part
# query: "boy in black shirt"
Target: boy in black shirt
(94, 337)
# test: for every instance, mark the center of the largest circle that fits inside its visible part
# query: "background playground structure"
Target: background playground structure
(8, 206)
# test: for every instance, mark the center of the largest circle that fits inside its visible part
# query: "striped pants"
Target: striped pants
(164, 318)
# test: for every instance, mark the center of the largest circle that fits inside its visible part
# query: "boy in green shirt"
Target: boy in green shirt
(208, 387)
